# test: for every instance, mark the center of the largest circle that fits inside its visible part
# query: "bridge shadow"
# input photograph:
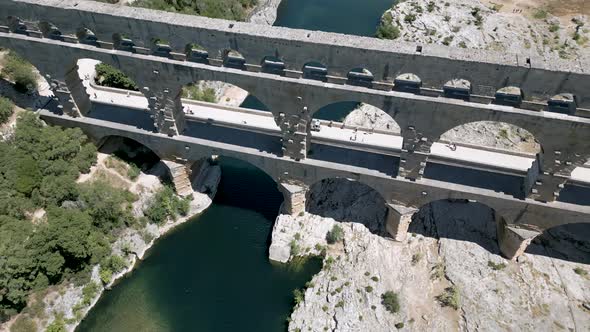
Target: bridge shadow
(458, 220)
(508, 184)
(123, 115)
(473, 222)
(348, 201)
(575, 194)
(385, 164)
(567, 242)
(261, 142)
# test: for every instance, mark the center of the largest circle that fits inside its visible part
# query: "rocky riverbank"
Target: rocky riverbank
(265, 13)
(67, 301)
(549, 29)
(448, 274)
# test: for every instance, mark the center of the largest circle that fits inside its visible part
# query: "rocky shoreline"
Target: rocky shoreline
(452, 246)
(265, 13)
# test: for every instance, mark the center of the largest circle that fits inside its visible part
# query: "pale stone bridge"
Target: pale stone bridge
(427, 90)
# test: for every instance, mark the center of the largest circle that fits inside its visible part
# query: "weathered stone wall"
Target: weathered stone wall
(517, 213)
(434, 64)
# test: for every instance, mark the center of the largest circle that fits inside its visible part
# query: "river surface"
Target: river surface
(212, 273)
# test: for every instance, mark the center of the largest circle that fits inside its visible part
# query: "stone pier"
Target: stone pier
(180, 174)
(514, 241)
(294, 198)
(398, 220)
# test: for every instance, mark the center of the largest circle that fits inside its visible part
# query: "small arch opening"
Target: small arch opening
(273, 65)
(315, 71)
(196, 53)
(457, 88)
(360, 77)
(86, 36)
(234, 59)
(123, 42)
(348, 201)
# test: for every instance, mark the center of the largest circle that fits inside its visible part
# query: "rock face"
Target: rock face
(517, 27)
(265, 13)
(494, 134)
(451, 244)
(368, 116)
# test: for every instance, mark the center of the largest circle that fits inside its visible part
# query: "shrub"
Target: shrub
(390, 301)
(450, 297)
(298, 296)
(368, 289)
(109, 76)
(89, 292)
(387, 31)
(23, 324)
(6, 109)
(57, 325)
(165, 204)
(496, 266)
(295, 248)
(580, 271)
(416, 258)
(133, 171)
(193, 92)
(410, 18)
(336, 234)
(540, 14)
(20, 72)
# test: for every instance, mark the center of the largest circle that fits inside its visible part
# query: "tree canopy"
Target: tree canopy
(38, 169)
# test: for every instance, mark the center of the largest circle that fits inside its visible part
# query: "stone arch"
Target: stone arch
(273, 65)
(347, 200)
(569, 242)
(315, 70)
(124, 102)
(233, 59)
(339, 112)
(122, 42)
(460, 220)
(49, 30)
(196, 53)
(514, 151)
(222, 93)
(248, 184)
(86, 36)
(360, 77)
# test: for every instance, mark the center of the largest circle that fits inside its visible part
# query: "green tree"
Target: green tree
(20, 72)
(6, 109)
(109, 76)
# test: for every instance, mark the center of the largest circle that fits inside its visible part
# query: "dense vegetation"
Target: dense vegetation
(109, 76)
(38, 169)
(227, 9)
(387, 28)
(19, 71)
(165, 204)
(6, 109)
(195, 93)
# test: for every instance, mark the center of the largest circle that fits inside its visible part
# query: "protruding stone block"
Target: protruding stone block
(398, 220)
(514, 241)
(294, 198)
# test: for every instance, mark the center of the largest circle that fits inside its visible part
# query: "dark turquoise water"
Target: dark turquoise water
(213, 273)
(352, 17)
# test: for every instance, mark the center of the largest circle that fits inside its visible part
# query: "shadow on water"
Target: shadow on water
(213, 273)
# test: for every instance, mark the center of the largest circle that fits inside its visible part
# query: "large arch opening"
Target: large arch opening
(569, 242)
(485, 154)
(228, 113)
(459, 221)
(245, 186)
(112, 95)
(134, 154)
(22, 82)
(338, 128)
(346, 200)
